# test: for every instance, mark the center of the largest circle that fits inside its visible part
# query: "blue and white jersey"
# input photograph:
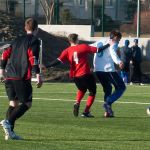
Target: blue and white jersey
(104, 61)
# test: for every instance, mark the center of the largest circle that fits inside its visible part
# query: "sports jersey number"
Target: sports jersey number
(75, 57)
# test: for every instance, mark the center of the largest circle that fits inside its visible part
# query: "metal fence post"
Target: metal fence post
(138, 19)
(56, 11)
(102, 21)
(92, 18)
(24, 10)
(92, 12)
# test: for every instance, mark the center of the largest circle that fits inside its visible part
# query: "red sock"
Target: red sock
(89, 103)
(79, 96)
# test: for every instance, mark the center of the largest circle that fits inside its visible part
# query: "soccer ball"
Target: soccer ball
(148, 111)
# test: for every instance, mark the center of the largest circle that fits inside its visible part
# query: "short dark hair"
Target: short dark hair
(115, 34)
(127, 42)
(73, 37)
(135, 40)
(31, 24)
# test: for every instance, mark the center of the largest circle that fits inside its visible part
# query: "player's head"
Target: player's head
(73, 38)
(115, 36)
(31, 24)
(126, 43)
(135, 41)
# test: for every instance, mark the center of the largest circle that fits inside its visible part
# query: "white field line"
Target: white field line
(69, 100)
(72, 83)
(63, 92)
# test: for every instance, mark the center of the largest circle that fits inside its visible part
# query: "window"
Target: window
(108, 2)
(81, 2)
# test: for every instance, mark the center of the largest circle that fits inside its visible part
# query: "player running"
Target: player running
(15, 67)
(77, 55)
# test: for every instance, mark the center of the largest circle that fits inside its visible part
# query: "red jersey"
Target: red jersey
(77, 58)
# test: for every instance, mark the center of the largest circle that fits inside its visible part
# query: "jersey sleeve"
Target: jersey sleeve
(92, 49)
(63, 56)
(6, 53)
(4, 57)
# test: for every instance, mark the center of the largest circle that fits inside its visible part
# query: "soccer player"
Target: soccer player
(76, 55)
(15, 69)
(105, 71)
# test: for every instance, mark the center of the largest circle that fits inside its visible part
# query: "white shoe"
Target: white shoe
(131, 83)
(8, 133)
(13, 136)
(7, 128)
(141, 84)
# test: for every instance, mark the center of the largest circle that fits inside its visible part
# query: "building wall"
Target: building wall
(84, 32)
(3, 5)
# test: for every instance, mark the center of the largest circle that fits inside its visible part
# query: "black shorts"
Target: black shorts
(86, 82)
(20, 90)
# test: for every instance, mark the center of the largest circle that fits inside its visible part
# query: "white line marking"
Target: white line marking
(69, 100)
(63, 92)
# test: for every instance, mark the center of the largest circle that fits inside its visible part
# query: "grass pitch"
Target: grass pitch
(50, 124)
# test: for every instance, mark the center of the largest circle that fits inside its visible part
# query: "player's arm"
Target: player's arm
(53, 63)
(33, 54)
(2, 70)
(3, 62)
(98, 47)
(60, 60)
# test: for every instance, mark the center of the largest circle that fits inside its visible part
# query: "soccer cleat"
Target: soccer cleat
(87, 115)
(108, 115)
(13, 136)
(76, 109)
(141, 84)
(108, 110)
(8, 133)
(7, 128)
(131, 83)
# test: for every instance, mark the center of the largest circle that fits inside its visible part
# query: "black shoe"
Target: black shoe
(87, 115)
(76, 109)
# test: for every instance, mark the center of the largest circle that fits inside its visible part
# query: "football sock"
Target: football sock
(79, 96)
(114, 96)
(8, 113)
(89, 103)
(17, 113)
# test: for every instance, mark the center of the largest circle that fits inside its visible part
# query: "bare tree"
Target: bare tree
(48, 8)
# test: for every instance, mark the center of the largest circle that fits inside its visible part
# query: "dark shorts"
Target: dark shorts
(20, 90)
(86, 82)
(109, 78)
